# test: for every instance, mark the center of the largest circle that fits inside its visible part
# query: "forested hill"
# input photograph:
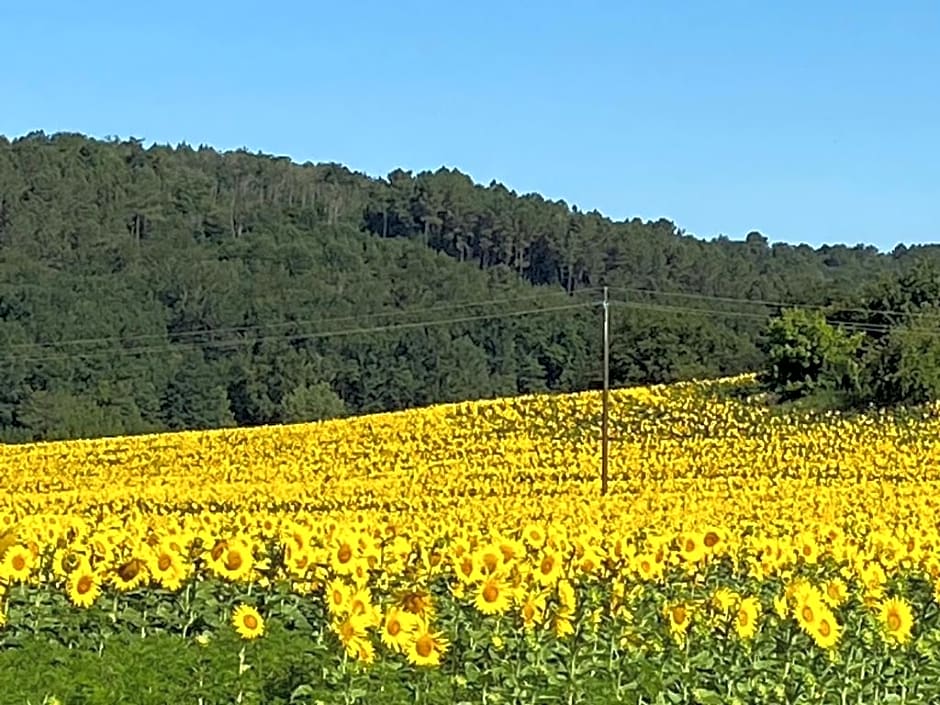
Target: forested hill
(144, 289)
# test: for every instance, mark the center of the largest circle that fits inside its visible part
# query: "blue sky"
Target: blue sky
(809, 121)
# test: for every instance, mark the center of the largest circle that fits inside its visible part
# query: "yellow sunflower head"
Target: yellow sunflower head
(427, 647)
(248, 622)
(83, 586)
(493, 595)
(17, 565)
(897, 619)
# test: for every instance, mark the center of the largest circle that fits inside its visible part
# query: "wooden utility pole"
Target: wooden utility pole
(605, 393)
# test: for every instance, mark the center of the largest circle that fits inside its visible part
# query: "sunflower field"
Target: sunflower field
(463, 553)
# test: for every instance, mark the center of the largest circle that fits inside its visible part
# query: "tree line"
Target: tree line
(882, 351)
(166, 287)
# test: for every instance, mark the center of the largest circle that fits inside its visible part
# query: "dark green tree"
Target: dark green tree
(193, 398)
(903, 367)
(806, 355)
(312, 402)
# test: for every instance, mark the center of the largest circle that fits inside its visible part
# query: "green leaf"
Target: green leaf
(301, 691)
(703, 659)
(707, 697)
(472, 672)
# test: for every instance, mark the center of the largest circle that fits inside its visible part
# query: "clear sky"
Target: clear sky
(809, 121)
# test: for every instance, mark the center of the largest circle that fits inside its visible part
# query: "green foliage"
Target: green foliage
(894, 360)
(312, 402)
(59, 414)
(806, 355)
(152, 647)
(904, 366)
(172, 287)
(193, 398)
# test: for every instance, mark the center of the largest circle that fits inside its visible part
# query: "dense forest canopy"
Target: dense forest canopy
(151, 288)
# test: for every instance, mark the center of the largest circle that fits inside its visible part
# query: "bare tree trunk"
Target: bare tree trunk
(232, 208)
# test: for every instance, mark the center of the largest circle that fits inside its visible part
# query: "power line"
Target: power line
(172, 345)
(757, 302)
(123, 352)
(630, 290)
(686, 310)
(665, 308)
(706, 297)
(287, 324)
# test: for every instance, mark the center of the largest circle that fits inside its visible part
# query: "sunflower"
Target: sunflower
(493, 595)
(511, 549)
(232, 560)
(873, 577)
(247, 622)
(714, 540)
(533, 535)
(431, 559)
(269, 525)
(130, 574)
(807, 611)
(691, 548)
(825, 632)
(398, 628)
(622, 549)
(679, 617)
(297, 560)
(724, 600)
(466, 568)
(338, 597)
(532, 610)
(489, 559)
(360, 573)
(549, 568)
(64, 561)
(168, 567)
(835, 592)
(352, 632)
(417, 602)
(295, 536)
(365, 651)
(427, 647)
(8, 537)
(562, 623)
(17, 564)
(360, 605)
(647, 566)
(343, 554)
(807, 548)
(566, 595)
(83, 586)
(590, 561)
(798, 588)
(745, 624)
(897, 618)
(892, 552)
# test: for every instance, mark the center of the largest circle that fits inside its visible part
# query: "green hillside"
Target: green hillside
(175, 287)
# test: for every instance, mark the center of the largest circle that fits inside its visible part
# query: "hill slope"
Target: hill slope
(736, 543)
(161, 288)
(669, 444)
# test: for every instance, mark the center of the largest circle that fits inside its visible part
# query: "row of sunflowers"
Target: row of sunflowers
(475, 533)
